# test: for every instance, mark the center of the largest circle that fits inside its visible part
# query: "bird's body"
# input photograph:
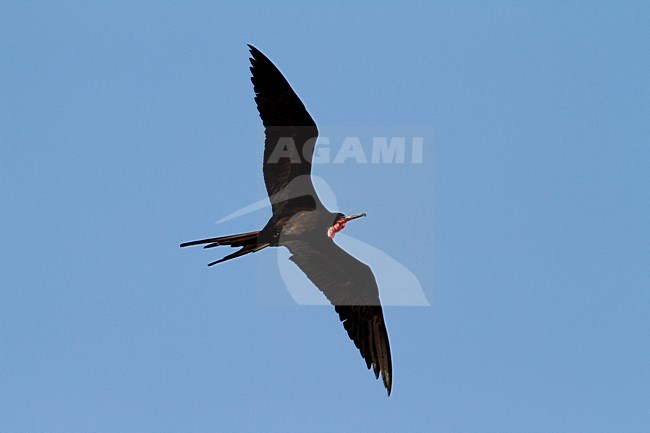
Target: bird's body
(302, 224)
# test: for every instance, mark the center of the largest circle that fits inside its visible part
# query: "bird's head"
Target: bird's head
(339, 223)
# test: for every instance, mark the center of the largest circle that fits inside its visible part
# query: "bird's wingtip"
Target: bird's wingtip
(255, 53)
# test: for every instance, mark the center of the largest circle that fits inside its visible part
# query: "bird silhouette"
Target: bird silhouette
(303, 225)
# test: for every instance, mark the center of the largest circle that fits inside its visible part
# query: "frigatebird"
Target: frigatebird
(302, 224)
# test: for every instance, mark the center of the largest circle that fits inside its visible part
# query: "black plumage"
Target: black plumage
(302, 224)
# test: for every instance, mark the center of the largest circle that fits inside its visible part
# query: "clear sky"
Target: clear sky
(129, 127)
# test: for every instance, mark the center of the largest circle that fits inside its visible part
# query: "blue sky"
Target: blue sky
(129, 127)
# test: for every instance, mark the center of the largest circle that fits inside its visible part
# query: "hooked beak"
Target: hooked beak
(353, 217)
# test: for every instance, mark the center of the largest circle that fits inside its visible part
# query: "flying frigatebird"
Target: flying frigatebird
(302, 224)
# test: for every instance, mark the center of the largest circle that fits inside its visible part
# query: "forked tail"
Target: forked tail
(248, 242)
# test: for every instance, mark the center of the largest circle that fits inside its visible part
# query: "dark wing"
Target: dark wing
(290, 137)
(351, 287)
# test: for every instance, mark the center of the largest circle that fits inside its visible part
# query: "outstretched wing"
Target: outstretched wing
(290, 137)
(350, 286)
